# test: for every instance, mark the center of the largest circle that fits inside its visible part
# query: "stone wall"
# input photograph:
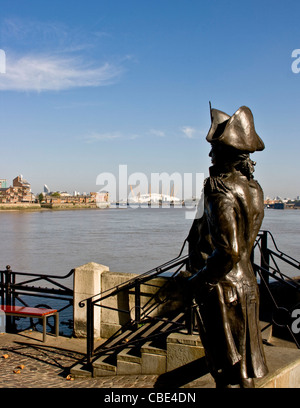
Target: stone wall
(161, 291)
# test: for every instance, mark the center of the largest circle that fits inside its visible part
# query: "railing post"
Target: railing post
(2, 288)
(89, 330)
(265, 256)
(137, 301)
(8, 286)
(189, 317)
(265, 264)
(8, 297)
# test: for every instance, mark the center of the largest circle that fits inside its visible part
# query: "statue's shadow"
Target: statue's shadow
(182, 376)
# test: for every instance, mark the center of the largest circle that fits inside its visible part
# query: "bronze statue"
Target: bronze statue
(220, 245)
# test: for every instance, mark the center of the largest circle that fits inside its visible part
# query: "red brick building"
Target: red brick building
(60, 199)
(19, 192)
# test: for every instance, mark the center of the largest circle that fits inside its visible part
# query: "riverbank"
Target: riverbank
(78, 206)
(45, 207)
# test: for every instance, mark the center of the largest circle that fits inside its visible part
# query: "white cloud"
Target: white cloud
(94, 137)
(192, 133)
(134, 136)
(189, 132)
(159, 133)
(98, 137)
(54, 73)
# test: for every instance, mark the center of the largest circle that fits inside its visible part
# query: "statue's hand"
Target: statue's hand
(183, 275)
(199, 284)
(182, 280)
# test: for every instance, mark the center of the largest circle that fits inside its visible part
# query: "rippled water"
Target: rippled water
(126, 240)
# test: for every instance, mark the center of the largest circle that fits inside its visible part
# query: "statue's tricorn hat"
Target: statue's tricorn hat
(237, 131)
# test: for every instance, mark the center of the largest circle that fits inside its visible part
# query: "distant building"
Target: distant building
(102, 199)
(2, 183)
(19, 192)
(46, 189)
(65, 198)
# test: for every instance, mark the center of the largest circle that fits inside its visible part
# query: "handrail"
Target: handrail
(266, 252)
(292, 261)
(150, 274)
(262, 270)
(43, 276)
(12, 289)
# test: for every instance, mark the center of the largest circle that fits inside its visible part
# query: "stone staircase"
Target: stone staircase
(180, 355)
(143, 351)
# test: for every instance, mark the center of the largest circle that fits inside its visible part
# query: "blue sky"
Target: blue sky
(91, 85)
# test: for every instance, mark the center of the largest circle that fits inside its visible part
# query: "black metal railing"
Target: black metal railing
(20, 288)
(139, 313)
(279, 292)
(269, 256)
(266, 270)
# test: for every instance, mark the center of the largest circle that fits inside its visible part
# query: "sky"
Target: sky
(93, 85)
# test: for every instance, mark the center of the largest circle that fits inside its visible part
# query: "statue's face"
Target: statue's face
(212, 156)
(221, 154)
(215, 154)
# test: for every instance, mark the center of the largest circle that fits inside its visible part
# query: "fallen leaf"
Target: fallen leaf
(17, 371)
(69, 378)
(5, 355)
(21, 366)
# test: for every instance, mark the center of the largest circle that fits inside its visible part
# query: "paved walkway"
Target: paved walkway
(27, 362)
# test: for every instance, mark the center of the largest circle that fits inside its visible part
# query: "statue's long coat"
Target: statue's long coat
(221, 242)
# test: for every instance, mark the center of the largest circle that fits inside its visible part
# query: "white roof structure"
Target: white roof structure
(154, 198)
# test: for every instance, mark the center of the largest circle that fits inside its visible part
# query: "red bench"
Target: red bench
(40, 313)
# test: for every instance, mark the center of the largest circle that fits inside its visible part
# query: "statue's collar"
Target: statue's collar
(224, 170)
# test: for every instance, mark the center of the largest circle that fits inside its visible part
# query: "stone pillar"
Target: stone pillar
(2, 322)
(87, 283)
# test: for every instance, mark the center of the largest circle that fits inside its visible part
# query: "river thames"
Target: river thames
(126, 240)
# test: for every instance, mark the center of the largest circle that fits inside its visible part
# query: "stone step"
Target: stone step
(79, 370)
(182, 349)
(105, 365)
(284, 371)
(153, 358)
(284, 368)
(128, 335)
(126, 360)
(133, 359)
(119, 338)
(122, 355)
(129, 361)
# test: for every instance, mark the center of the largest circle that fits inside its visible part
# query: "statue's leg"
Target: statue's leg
(247, 383)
